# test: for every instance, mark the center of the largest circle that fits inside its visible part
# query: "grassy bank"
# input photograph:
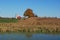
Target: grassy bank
(8, 20)
(29, 30)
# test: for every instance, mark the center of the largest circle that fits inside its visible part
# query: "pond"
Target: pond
(29, 36)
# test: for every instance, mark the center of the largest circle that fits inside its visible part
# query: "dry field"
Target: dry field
(33, 24)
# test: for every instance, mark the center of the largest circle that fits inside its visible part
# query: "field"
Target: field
(33, 24)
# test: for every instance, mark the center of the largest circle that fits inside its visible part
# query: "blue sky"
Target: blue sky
(48, 8)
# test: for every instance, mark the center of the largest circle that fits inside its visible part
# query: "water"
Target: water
(27, 36)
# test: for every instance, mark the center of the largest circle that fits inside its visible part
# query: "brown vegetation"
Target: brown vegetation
(32, 24)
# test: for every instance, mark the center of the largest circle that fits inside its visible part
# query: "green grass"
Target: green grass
(8, 20)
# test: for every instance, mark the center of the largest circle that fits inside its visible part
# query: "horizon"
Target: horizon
(42, 8)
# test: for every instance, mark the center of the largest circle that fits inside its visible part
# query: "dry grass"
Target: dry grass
(32, 24)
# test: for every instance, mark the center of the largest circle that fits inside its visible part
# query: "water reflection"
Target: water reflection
(29, 36)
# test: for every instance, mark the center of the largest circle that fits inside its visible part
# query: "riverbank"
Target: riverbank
(33, 24)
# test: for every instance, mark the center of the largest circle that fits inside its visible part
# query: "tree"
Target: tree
(29, 13)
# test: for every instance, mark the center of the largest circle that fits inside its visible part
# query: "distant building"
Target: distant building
(18, 17)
